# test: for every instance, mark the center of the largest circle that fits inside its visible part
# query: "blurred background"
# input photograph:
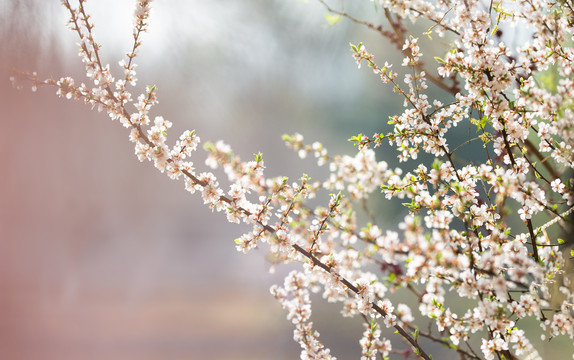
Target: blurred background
(103, 257)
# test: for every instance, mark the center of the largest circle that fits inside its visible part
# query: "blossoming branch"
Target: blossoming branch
(476, 230)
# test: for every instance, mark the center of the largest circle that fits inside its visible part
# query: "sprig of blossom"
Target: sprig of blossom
(456, 242)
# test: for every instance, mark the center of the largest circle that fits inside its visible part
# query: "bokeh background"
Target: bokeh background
(103, 257)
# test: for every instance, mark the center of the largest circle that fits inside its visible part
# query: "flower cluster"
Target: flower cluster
(299, 312)
(476, 229)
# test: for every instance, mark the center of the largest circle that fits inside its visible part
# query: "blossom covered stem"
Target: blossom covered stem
(456, 237)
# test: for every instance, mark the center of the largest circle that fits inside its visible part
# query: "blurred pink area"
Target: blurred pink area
(161, 326)
(100, 257)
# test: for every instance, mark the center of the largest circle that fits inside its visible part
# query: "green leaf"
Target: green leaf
(484, 138)
(209, 146)
(436, 164)
(356, 139)
(494, 30)
(333, 19)
(356, 48)
(483, 122)
(537, 174)
(416, 333)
